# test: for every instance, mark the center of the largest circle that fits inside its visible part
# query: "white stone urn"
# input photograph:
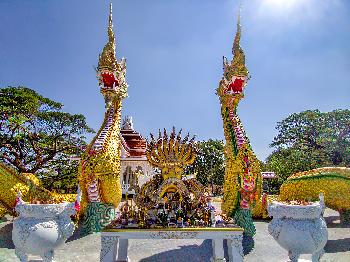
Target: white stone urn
(40, 228)
(300, 229)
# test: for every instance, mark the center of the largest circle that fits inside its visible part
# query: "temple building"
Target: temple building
(135, 169)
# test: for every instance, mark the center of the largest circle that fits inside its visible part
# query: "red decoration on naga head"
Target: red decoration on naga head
(236, 86)
(109, 80)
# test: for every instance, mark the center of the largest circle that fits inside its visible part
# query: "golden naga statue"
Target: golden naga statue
(100, 165)
(29, 188)
(171, 154)
(242, 187)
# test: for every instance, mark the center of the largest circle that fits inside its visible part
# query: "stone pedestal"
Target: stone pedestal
(40, 228)
(114, 242)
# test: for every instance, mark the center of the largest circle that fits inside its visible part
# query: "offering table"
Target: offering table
(114, 242)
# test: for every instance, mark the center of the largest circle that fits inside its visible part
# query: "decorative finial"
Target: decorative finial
(239, 13)
(110, 24)
(238, 60)
(108, 58)
(127, 123)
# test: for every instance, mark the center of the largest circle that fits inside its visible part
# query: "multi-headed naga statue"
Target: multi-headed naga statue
(100, 165)
(242, 173)
(171, 154)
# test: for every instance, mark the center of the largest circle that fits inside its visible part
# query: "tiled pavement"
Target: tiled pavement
(86, 249)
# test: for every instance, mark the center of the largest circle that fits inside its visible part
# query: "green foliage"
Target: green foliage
(61, 177)
(309, 140)
(35, 135)
(324, 135)
(210, 163)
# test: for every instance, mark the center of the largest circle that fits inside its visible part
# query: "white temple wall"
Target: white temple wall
(132, 169)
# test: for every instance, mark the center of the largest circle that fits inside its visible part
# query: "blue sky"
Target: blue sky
(297, 51)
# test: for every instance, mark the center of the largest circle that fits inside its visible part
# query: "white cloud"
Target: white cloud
(292, 11)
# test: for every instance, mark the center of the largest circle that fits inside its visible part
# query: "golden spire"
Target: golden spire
(237, 40)
(238, 66)
(110, 25)
(107, 59)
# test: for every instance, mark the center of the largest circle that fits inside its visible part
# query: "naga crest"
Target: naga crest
(235, 75)
(171, 153)
(110, 72)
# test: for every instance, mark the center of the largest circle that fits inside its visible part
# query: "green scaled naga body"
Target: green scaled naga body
(242, 187)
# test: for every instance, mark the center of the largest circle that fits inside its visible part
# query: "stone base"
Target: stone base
(115, 241)
(97, 216)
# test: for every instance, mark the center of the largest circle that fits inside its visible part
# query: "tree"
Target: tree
(61, 176)
(210, 163)
(35, 135)
(308, 140)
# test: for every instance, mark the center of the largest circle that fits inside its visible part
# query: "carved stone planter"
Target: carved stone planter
(299, 229)
(40, 228)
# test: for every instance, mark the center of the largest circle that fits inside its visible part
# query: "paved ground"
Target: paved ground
(86, 249)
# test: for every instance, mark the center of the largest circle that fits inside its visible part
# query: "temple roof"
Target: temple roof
(133, 143)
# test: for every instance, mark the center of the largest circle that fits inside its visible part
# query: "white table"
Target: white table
(114, 242)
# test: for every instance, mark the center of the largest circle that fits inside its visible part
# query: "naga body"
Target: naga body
(242, 187)
(29, 188)
(99, 173)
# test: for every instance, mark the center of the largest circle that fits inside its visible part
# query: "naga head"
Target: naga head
(236, 75)
(110, 72)
(171, 153)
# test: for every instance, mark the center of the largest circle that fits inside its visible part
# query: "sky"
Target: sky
(297, 53)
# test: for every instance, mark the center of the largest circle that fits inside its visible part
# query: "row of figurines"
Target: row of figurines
(159, 217)
(200, 217)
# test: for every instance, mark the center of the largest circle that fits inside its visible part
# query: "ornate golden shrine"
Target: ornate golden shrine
(170, 154)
